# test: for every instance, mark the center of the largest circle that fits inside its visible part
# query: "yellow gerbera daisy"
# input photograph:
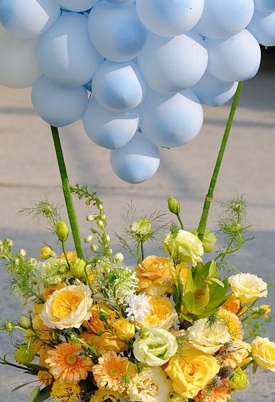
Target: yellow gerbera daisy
(66, 363)
(65, 392)
(112, 371)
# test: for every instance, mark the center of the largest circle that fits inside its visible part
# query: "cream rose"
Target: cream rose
(184, 247)
(263, 352)
(155, 346)
(67, 307)
(247, 287)
(208, 337)
(162, 315)
(150, 385)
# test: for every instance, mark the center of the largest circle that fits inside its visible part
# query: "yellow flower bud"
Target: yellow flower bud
(45, 252)
(25, 322)
(173, 205)
(62, 231)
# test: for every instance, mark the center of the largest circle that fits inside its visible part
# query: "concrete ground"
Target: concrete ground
(28, 173)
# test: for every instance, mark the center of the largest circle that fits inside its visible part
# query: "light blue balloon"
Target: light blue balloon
(118, 87)
(109, 129)
(234, 59)
(172, 64)
(116, 32)
(66, 53)
(137, 162)
(169, 18)
(120, 2)
(264, 5)
(171, 120)
(27, 19)
(222, 19)
(214, 92)
(262, 26)
(57, 104)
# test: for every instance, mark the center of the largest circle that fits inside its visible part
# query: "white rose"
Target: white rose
(67, 307)
(208, 337)
(247, 287)
(155, 346)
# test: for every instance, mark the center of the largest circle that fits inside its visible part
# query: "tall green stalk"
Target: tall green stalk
(210, 194)
(67, 192)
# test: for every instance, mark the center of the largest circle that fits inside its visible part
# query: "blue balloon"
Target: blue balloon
(109, 129)
(138, 161)
(116, 32)
(214, 92)
(118, 87)
(57, 104)
(171, 120)
(66, 53)
(262, 27)
(264, 5)
(77, 5)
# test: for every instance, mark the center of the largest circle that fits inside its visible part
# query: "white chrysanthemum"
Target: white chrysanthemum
(208, 337)
(247, 287)
(138, 306)
(150, 385)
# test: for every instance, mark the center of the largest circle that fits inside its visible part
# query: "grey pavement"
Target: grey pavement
(28, 173)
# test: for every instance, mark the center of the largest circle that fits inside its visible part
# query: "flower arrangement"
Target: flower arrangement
(169, 327)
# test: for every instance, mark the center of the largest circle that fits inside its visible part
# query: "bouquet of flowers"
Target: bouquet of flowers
(169, 327)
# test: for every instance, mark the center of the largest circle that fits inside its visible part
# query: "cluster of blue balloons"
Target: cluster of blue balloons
(136, 72)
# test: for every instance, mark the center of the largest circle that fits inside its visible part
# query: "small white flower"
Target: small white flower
(138, 306)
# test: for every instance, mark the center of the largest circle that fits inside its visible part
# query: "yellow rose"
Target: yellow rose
(263, 352)
(100, 315)
(154, 274)
(123, 329)
(105, 342)
(162, 314)
(191, 371)
(247, 287)
(184, 247)
(65, 392)
(67, 307)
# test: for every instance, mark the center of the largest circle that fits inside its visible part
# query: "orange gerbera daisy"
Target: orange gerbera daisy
(67, 364)
(112, 371)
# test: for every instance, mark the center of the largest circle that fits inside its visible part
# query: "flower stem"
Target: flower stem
(213, 181)
(67, 192)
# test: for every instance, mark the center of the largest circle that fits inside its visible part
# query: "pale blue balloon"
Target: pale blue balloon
(57, 104)
(262, 26)
(109, 129)
(264, 5)
(172, 64)
(118, 87)
(19, 66)
(171, 120)
(77, 5)
(66, 53)
(116, 32)
(234, 59)
(27, 19)
(121, 2)
(225, 18)
(137, 162)
(169, 18)
(214, 92)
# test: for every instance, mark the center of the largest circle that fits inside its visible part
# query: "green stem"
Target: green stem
(67, 192)
(213, 181)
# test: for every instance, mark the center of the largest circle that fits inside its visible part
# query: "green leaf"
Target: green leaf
(40, 395)
(22, 385)
(188, 301)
